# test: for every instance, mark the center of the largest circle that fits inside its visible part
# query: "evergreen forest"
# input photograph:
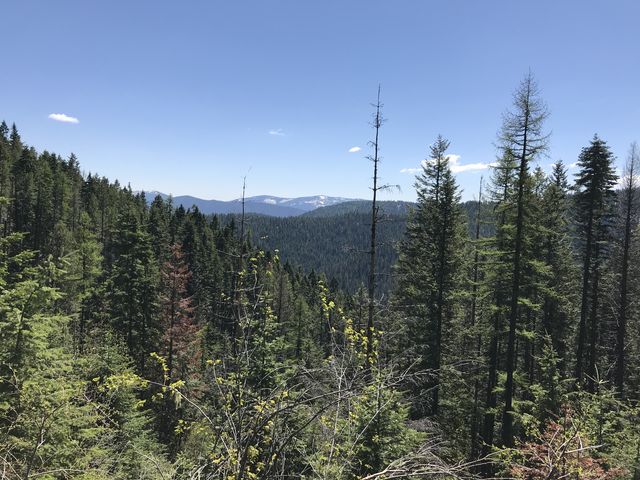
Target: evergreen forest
(498, 338)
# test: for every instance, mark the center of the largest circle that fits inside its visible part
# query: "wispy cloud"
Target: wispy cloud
(454, 164)
(61, 117)
(354, 149)
(277, 132)
(411, 170)
(470, 167)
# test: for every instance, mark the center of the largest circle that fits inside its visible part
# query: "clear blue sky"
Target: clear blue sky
(186, 97)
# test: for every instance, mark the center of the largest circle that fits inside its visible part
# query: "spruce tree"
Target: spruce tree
(6, 166)
(429, 263)
(559, 292)
(85, 271)
(594, 208)
(497, 278)
(133, 302)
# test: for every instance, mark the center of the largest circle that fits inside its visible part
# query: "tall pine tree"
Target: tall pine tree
(429, 263)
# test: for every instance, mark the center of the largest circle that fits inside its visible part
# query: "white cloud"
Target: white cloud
(623, 179)
(61, 117)
(270, 201)
(277, 132)
(470, 167)
(354, 149)
(454, 164)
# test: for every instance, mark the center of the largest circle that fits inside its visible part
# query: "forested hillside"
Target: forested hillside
(334, 245)
(334, 240)
(388, 208)
(145, 341)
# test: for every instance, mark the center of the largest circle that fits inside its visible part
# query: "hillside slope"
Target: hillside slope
(334, 240)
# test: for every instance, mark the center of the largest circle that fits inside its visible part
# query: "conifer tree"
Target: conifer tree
(180, 343)
(557, 303)
(85, 270)
(24, 195)
(132, 286)
(594, 203)
(497, 279)
(430, 261)
(523, 137)
(43, 216)
(46, 422)
(159, 228)
(179, 325)
(6, 166)
(475, 337)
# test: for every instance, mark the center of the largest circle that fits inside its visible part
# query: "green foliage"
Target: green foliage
(429, 267)
(595, 436)
(132, 288)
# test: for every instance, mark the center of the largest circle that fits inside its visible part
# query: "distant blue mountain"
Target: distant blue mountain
(262, 204)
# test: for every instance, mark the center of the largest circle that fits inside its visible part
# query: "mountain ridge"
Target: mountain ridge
(271, 205)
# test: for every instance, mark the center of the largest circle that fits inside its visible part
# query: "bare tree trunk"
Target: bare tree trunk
(377, 123)
(507, 417)
(235, 284)
(488, 426)
(593, 325)
(474, 301)
(630, 200)
(584, 304)
(439, 297)
(491, 401)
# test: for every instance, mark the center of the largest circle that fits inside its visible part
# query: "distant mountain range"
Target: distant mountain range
(261, 204)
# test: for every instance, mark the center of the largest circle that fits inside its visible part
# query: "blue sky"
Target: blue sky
(188, 97)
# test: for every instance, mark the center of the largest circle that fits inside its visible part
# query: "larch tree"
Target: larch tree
(522, 135)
